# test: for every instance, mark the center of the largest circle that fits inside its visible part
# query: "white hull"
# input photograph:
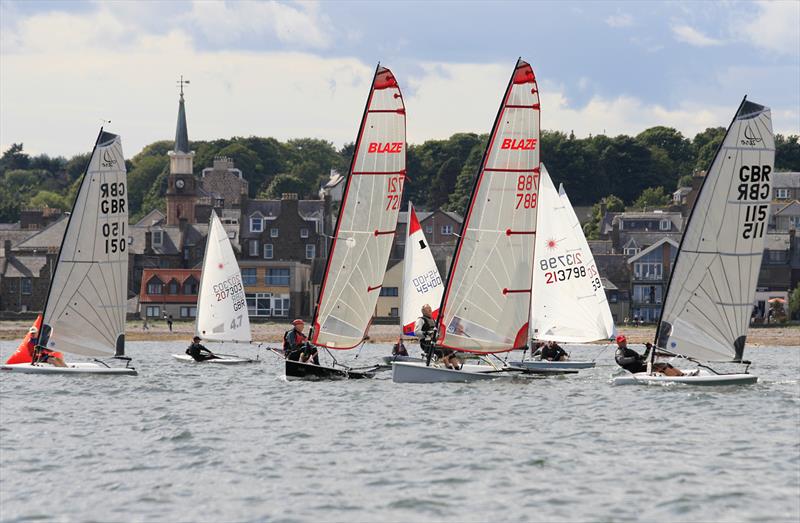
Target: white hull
(388, 360)
(410, 372)
(71, 368)
(701, 378)
(548, 365)
(222, 360)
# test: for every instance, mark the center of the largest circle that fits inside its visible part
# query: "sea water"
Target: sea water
(187, 442)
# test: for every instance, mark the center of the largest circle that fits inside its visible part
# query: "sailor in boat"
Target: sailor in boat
(296, 346)
(399, 349)
(634, 362)
(43, 355)
(425, 330)
(199, 352)
(552, 351)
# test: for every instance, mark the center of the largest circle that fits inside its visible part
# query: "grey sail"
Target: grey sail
(710, 297)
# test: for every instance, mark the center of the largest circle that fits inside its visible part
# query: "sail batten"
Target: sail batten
(367, 220)
(569, 301)
(710, 295)
(486, 302)
(86, 305)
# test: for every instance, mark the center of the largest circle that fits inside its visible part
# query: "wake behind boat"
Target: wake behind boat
(85, 309)
(709, 298)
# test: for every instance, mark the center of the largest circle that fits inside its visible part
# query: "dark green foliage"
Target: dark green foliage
(608, 203)
(787, 153)
(284, 183)
(651, 198)
(685, 181)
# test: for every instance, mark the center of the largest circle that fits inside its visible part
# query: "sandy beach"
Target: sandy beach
(273, 332)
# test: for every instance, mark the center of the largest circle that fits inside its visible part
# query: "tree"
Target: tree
(652, 198)
(14, 158)
(678, 150)
(284, 183)
(794, 302)
(787, 153)
(459, 198)
(706, 145)
(685, 181)
(443, 184)
(606, 204)
(9, 204)
(141, 178)
(49, 199)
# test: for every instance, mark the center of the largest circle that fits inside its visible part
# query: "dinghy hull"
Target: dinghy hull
(216, 361)
(71, 368)
(296, 370)
(388, 360)
(409, 372)
(549, 365)
(702, 378)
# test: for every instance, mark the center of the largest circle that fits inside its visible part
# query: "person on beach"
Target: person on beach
(296, 346)
(169, 322)
(425, 330)
(634, 362)
(199, 352)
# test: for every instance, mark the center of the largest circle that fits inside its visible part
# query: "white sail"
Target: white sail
(488, 294)
(86, 305)
(221, 303)
(367, 220)
(569, 302)
(422, 283)
(710, 297)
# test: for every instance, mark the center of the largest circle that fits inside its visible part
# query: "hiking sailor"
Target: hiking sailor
(425, 330)
(634, 362)
(296, 346)
(553, 352)
(198, 352)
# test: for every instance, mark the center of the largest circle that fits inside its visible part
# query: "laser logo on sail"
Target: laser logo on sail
(108, 159)
(750, 137)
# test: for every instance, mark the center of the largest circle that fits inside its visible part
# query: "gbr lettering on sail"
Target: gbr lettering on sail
(754, 186)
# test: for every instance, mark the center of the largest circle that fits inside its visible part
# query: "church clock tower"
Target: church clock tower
(181, 183)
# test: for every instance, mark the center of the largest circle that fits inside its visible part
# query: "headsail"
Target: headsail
(86, 305)
(710, 297)
(422, 284)
(569, 302)
(367, 220)
(487, 299)
(221, 304)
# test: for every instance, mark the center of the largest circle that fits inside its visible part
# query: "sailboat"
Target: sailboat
(709, 298)
(486, 302)
(86, 305)
(422, 283)
(221, 303)
(569, 303)
(364, 232)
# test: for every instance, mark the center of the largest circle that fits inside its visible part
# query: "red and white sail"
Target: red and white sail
(488, 295)
(422, 283)
(367, 220)
(569, 302)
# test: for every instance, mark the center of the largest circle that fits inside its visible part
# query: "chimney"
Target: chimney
(615, 236)
(7, 248)
(148, 242)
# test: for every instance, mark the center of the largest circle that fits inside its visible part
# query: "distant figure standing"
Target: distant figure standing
(145, 326)
(169, 322)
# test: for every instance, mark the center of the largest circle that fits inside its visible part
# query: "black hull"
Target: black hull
(309, 371)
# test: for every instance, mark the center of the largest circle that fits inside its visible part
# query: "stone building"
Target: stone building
(223, 181)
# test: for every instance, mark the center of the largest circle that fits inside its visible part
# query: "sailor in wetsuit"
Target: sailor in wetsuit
(425, 330)
(296, 346)
(198, 352)
(398, 349)
(553, 352)
(634, 362)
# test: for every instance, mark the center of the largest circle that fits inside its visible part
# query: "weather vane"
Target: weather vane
(181, 82)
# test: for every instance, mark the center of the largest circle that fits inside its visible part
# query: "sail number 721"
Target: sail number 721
(527, 191)
(394, 192)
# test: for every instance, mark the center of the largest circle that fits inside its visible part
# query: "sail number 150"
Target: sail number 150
(527, 187)
(395, 192)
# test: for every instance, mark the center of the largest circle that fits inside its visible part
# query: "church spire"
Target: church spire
(182, 132)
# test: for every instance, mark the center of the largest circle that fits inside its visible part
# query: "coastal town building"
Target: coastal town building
(169, 293)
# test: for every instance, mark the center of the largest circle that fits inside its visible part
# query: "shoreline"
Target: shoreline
(272, 333)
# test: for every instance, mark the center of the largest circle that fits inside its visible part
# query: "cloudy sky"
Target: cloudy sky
(302, 69)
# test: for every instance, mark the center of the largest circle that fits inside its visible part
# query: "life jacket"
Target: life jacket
(24, 353)
(428, 324)
(299, 339)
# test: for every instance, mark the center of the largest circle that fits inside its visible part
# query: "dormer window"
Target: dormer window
(158, 238)
(665, 225)
(173, 287)
(256, 224)
(781, 194)
(154, 286)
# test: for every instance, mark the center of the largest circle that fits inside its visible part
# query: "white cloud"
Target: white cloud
(619, 20)
(691, 36)
(776, 27)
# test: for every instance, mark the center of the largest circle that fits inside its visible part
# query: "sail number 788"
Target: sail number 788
(527, 187)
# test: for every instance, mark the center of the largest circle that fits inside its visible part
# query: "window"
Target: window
(664, 225)
(259, 304)
(781, 194)
(253, 247)
(277, 277)
(304, 233)
(26, 286)
(188, 312)
(158, 238)
(648, 270)
(777, 256)
(256, 224)
(630, 251)
(232, 235)
(429, 229)
(154, 286)
(389, 291)
(153, 311)
(447, 230)
(311, 251)
(647, 293)
(395, 312)
(794, 221)
(249, 276)
(273, 232)
(173, 287)
(280, 306)
(268, 251)
(186, 252)
(190, 285)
